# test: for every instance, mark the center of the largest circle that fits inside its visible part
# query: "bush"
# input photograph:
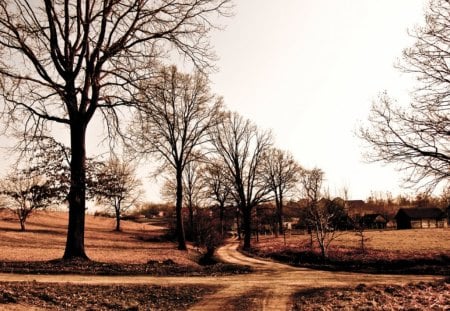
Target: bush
(209, 236)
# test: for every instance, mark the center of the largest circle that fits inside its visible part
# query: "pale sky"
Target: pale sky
(309, 70)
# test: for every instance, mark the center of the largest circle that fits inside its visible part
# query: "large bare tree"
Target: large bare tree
(177, 111)
(65, 61)
(417, 137)
(241, 147)
(282, 173)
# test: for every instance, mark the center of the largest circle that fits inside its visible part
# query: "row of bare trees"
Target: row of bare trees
(201, 148)
(183, 126)
(68, 62)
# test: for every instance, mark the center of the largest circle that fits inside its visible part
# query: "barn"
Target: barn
(420, 217)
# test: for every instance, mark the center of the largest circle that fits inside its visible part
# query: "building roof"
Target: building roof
(421, 212)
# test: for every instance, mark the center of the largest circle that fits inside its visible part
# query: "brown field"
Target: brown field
(45, 237)
(403, 242)
(420, 251)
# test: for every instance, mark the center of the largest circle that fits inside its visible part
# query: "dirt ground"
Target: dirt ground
(51, 296)
(271, 285)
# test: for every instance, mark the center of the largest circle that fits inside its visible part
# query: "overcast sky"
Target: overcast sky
(309, 70)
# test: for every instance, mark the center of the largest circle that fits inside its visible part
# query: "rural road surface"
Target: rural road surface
(270, 287)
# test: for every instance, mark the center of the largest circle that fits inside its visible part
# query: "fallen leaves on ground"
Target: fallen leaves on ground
(421, 296)
(101, 297)
(156, 268)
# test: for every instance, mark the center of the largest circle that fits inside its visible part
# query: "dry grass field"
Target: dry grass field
(406, 242)
(422, 251)
(45, 237)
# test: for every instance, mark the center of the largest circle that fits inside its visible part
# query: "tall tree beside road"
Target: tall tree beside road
(241, 147)
(65, 61)
(177, 110)
(417, 138)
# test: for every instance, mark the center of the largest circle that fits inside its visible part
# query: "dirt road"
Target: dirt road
(272, 284)
(269, 288)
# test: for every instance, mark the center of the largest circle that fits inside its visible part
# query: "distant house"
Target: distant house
(373, 221)
(420, 217)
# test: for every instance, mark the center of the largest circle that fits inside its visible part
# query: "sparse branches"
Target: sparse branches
(282, 173)
(417, 137)
(217, 187)
(311, 182)
(322, 215)
(177, 112)
(26, 192)
(241, 146)
(49, 159)
(117, 186)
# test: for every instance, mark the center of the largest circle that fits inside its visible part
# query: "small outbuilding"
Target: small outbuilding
(420, 217)
(373, 221)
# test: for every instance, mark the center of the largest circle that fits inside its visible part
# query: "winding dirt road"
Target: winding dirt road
(270, 287)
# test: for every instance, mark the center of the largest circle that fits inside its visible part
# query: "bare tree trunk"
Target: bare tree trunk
(22, 224)
(279, 203)
(311, 244)
(238, 224)
(21, 218)
(320, 236)
(221, 216)
(257, 225)
(246, 213)
(323, 250)
(117, 219)
(192, 231)
(77, 193)
(178, 206)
